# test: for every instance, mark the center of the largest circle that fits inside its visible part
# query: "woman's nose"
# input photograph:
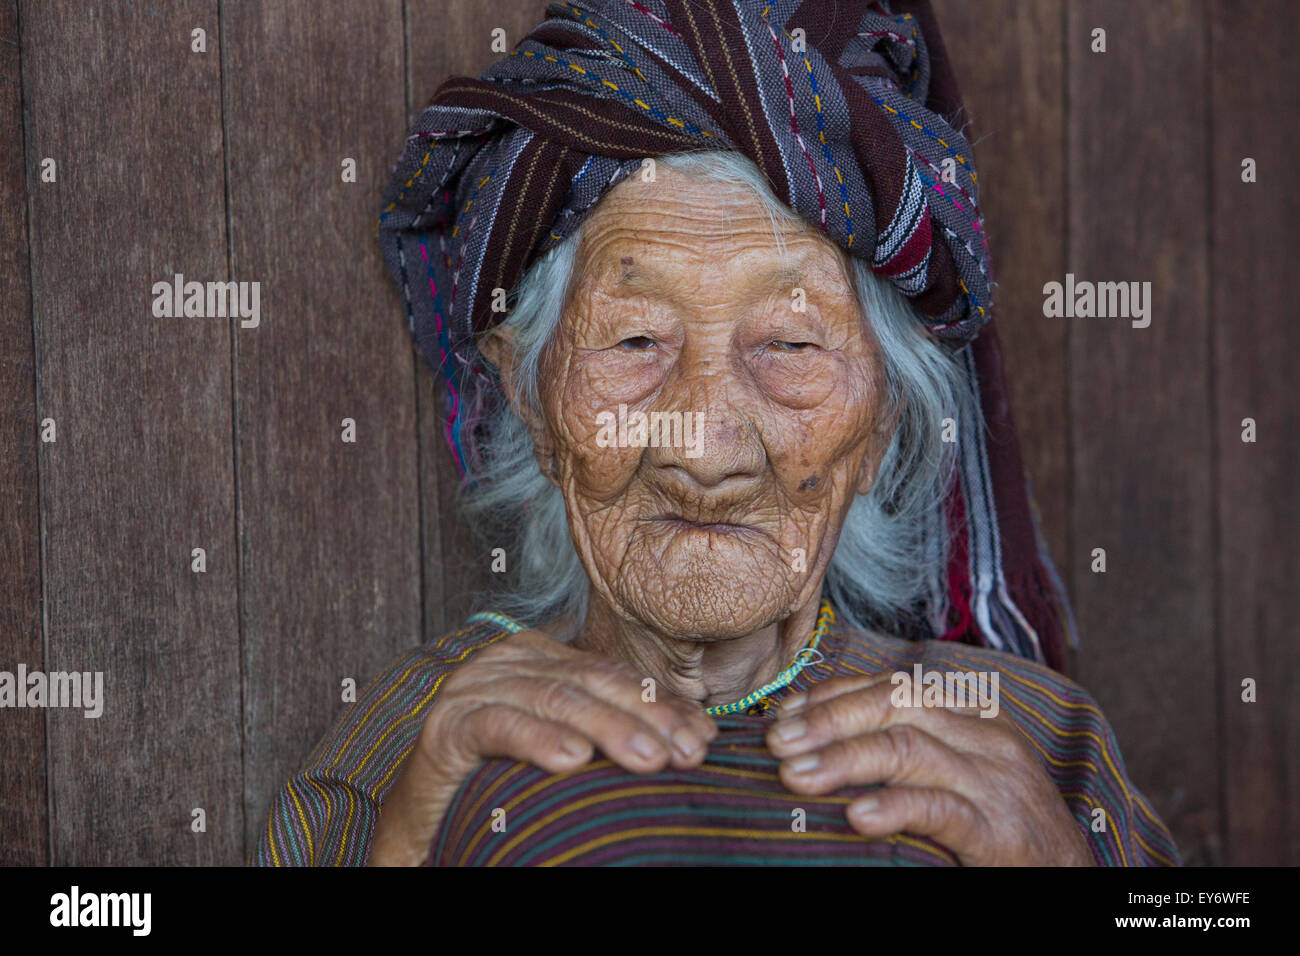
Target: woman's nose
(720, 438)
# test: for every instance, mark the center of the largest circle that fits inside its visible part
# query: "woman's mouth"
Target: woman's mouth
(718, 527)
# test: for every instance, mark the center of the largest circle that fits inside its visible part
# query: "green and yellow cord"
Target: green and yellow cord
(808, 655)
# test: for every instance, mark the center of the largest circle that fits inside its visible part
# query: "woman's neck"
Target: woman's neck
(711, 671)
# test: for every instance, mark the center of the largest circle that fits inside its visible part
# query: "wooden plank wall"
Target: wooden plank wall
(142, 469)
(1143, 396)
(1253, 335)
(329, 531)
(326, 558)
(24, 826)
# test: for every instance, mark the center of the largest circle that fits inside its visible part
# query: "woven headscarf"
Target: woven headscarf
(849, 109)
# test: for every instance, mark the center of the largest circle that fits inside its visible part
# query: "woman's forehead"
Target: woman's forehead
(644, 239)
(691, 200)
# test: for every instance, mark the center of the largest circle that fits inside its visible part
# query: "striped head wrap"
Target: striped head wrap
(850, 110)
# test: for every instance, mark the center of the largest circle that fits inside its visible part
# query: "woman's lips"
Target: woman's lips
(719, 527)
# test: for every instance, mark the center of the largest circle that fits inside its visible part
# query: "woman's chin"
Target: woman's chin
(713, 600)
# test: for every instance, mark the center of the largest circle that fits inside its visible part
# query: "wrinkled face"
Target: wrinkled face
(712, 406)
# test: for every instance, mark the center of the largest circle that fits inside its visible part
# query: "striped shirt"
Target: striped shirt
(732, 809)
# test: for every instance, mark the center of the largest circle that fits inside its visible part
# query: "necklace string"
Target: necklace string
(809, 655)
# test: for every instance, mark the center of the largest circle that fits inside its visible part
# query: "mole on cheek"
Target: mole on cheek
(809, 483)
(627, 260)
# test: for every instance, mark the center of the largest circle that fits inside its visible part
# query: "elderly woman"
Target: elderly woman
(702, 277)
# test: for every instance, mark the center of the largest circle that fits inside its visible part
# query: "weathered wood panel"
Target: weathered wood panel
(141, 472)
(1009, 61)
(1253, 330)
(1140, 412)
(442, 40)
(329, 529)
(23, 822)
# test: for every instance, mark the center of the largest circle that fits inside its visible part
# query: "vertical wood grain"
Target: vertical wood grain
(1253, 333)
(329, 530)
(23, 820)
(141, 471)
(1009, 60)
(445, 39)
(1140, 400)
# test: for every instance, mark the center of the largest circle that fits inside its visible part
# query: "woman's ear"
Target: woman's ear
(887, 421)
(867, 471)
(494, 343)
(497, 346)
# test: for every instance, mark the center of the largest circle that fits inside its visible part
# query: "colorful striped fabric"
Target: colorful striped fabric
(731, 810)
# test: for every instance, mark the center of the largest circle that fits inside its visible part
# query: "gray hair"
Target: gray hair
(886, 557)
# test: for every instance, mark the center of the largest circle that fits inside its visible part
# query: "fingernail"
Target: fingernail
(865, 807)
(788, 730)
(790, 705)
(685, 742)
(644, 746)
(805, 763)
(574, 748)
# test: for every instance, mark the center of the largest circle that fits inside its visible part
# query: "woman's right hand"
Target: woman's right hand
(530, 698)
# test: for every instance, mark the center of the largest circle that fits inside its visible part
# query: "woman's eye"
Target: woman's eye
(637, 343)
(791, 346)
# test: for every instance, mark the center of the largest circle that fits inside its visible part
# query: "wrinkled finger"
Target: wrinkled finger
(826, 690)
(853, 712)
(625, 738)
(943, 816)
(503, 730)
(968, 693)
(682, 723)
(900, 754)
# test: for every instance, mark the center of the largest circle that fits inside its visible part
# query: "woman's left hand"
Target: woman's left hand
(971, 783)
